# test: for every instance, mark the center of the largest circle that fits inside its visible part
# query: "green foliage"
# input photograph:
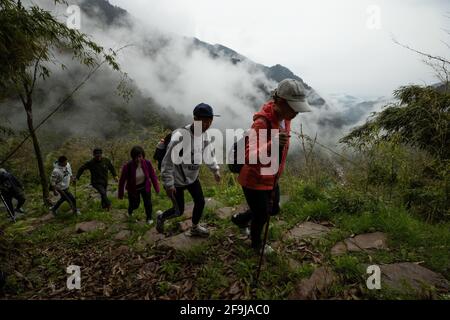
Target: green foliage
(348, 266)
(405, 148)
(27, 38)
(420, 118)
(347, 200)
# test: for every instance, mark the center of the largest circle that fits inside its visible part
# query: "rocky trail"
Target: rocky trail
(127, 259)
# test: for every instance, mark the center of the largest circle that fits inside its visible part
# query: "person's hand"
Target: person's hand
(284, 138)
(116, 179)
(74, 179)
(217, 176)
(171, 192)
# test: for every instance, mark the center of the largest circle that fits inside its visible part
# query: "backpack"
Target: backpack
(233, 166)
(161, 150)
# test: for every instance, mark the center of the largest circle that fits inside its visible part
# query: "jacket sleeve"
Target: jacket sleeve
(212, 164)
(82, 169)
(253, 150)
(153, 176)
(55, 178)
(69, 169)
(112, 169)
(123, 179)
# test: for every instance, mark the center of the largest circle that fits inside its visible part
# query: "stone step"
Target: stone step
(182, 242)
(311, 288)
(407, 276)
(367, 241)
(307, 230)
(89, 226)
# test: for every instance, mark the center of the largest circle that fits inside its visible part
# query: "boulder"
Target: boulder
(321, 279)
(123, 235)
(225, 212)
(307, 230)
(211, 203)
(151, 236)
(181, 242)
(405, 276)
(184, 225)
(367, 241)
(88, 226)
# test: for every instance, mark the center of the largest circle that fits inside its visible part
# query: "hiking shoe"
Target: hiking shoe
(245, 231)
(198, 231)
(18, 215)
(159, 222)
(150, 222)
(268, 250)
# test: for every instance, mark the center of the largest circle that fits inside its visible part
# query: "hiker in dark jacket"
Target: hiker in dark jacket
(11, 188)
(261, 190)
(99, 166)
(137, 176)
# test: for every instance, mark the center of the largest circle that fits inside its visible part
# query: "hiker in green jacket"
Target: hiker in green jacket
(99, 166)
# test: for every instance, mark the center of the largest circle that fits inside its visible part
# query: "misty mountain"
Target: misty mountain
(119, 16)
(169, 75)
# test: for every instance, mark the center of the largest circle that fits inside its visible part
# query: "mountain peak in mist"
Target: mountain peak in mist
(103, 9)
(116, 15)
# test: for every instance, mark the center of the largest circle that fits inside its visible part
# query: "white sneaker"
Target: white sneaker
(245, 231)
(267, 250)
(198, 231)
(150, 222)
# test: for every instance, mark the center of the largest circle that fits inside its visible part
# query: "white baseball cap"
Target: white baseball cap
(294, 93)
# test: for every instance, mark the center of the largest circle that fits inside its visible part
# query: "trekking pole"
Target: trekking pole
(75, 189)
(266, 231)
(8, 209)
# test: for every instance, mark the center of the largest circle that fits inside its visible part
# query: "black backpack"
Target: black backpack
(161, 152)
(232, 155)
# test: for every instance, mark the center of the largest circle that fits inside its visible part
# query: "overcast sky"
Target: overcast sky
(335, 46)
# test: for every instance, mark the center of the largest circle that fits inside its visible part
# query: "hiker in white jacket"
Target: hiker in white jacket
(60, 182)
(178, 175)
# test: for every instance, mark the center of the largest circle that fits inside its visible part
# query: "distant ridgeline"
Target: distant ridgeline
(97, 112)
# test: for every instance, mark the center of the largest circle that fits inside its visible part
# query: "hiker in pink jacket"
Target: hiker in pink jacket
(136, 176)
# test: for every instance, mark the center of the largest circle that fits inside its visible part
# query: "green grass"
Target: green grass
(353, 212)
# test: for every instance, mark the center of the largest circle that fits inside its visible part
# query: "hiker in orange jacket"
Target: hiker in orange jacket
(261, 191)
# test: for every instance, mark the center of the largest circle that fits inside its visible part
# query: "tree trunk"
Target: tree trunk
(37, 151)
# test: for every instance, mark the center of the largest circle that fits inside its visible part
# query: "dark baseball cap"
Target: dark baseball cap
(97, 151)
(204, 110)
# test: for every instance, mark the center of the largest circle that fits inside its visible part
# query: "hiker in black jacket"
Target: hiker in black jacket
(99, 166)
(10, 187)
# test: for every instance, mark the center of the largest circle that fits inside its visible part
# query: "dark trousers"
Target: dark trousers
(65, 195)
(195, 189)
(134, 200)
(9, 196)
(103, 193)
(258, 214)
